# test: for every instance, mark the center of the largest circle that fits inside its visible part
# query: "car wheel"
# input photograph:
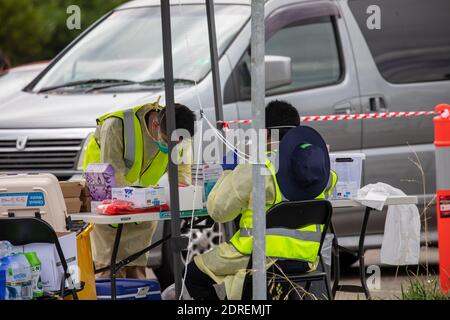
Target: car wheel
(202, 240)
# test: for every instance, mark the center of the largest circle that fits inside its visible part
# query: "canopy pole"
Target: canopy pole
(171, 126)
(258, 124)
(215, 71)
(214, 60)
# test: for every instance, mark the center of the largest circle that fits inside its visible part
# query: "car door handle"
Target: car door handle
(377, 104)
(345, 108)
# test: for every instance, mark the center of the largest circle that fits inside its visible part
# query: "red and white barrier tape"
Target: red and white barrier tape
(340, 117)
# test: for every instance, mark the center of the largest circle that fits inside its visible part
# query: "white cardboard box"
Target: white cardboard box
(52, 271)
(140, 197)
(191, 198)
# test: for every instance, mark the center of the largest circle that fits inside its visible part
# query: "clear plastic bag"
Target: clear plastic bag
(327, 249)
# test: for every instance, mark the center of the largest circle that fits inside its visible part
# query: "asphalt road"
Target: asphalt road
(391, 278)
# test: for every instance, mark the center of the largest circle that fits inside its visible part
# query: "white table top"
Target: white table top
(390, 201)
(96, 218)
(157, 216)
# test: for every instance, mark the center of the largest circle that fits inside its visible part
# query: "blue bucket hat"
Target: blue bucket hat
(304, 164)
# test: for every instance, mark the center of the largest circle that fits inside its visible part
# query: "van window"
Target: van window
(413, 42)
(314, 52)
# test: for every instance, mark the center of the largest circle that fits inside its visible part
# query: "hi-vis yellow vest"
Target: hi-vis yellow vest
(133, 149)
(301, 244)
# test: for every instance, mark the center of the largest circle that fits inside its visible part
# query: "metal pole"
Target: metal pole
(218, 103)
(214, 59)
(258, 123)
(170, 121)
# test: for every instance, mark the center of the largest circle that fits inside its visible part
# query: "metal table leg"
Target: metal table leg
(116, 266)
(362, 265)
(336, 268)
(113, 266)
(359, 254)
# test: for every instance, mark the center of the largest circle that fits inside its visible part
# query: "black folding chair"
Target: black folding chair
(294, 215)
(22, 231)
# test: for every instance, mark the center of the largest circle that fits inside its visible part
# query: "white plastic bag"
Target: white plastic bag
(401, 240)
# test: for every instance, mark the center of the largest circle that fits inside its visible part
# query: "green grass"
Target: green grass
(426, 288)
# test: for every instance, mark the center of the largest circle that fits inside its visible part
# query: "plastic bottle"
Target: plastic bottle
(18, 277)
(36, 267)
(6, 249)
(2, 281)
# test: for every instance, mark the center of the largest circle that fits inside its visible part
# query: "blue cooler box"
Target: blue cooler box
(129, 289)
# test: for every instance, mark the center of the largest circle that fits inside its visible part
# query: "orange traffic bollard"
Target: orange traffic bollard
(442, 144)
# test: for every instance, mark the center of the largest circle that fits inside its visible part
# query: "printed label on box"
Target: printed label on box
(140, 197)
(22, 199)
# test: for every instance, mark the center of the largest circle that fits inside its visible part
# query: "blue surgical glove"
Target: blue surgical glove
(230, 160)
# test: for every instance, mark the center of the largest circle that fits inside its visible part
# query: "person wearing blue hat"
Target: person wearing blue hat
(303, 173)
(304, 165)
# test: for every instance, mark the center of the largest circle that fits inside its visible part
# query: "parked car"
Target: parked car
(324, 59)
(14, 80)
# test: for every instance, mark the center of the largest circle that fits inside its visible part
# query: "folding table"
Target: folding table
(390, 201)
(120, 220)
(157, 216)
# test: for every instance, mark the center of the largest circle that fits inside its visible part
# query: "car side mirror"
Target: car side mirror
(278, 71)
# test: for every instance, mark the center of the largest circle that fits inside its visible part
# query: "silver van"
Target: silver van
(325, 57)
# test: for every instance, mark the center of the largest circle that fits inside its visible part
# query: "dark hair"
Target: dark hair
(281, 113)
(184, 119)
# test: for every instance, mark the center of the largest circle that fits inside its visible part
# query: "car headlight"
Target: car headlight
(83, 152)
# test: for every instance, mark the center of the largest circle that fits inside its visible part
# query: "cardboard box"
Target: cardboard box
(84, 190)
(71, 189)
(51, 270)
(186, 195)
(73, 205)
(211, 174)
(85, 204)
(141, 197)
(191, 198)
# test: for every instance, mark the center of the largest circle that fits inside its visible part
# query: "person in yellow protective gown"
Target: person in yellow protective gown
(306, 175)
(134, 142)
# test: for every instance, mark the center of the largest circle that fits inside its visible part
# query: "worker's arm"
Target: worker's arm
(233, 193)
(111, 146)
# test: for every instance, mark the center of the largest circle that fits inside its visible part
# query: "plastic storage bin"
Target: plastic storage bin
(129, 289)
(26, 194)
(349, 170)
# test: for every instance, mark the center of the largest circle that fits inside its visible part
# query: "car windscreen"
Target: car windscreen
(127, 45)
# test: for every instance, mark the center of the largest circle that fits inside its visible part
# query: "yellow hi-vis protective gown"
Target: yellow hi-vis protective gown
(117, 135)
(232, 196)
